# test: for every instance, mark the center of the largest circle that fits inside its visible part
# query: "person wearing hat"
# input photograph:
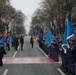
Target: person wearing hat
(2, 50)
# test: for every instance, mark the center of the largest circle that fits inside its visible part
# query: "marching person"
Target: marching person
(8, 39)
(2, 50)
(12, 41)
(32, 40)
(22, 42)
(16, 42)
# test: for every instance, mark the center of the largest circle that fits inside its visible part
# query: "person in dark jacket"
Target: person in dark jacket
(2, 50)
(54, 50)
(16, 42)
(22, 42)
(12, 41)
(8, 39)
(71, 51)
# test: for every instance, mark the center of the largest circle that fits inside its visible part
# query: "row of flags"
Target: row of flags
(69, 32)
(41, 31)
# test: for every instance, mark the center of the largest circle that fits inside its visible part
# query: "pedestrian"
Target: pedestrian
(16, 42)
(32, 41)
(21, 42)
(8, 39)
(12, 41)
(2, 50)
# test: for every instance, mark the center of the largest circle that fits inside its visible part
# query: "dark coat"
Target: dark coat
(21, 40)
(72, 51)
(31, 41)
(16, 41)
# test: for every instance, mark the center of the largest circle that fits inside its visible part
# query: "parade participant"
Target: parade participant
(64, 57)
(22, 42)
(16, 42)
(8, 39)
(55, 44)
(32, 40)
(68, 56)
(40, 37)
(71, 51)
(2, 50)
(40, 40)
(55, 50)
(12, 41)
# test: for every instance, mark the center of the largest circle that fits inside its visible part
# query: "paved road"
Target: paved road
(30, 61)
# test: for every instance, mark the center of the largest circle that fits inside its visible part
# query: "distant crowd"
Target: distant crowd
(7, 41)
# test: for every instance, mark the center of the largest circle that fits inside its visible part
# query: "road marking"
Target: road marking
(42, 51)
(5, 72)
(60, 71)
(29, 61)
(14, 54)
(15, 60)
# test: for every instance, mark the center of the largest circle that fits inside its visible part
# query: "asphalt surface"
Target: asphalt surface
(30, 61)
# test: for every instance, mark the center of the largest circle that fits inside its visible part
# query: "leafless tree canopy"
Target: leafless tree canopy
(51, 10)
(7, 13)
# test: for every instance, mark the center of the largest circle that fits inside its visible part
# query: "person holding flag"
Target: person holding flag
(40, 38)
(68, 33)
(49, 38)
(71, 51)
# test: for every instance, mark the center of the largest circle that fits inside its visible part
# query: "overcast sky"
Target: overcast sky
(27, 7)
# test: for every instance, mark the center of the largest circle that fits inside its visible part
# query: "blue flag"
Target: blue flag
(34, 33)
(49, 38)
(40, 37)
(69, 31)
(41, 31)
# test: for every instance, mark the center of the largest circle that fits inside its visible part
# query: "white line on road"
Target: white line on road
(42, 51)
(14, 54)
(60, 71)
(5, 72)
